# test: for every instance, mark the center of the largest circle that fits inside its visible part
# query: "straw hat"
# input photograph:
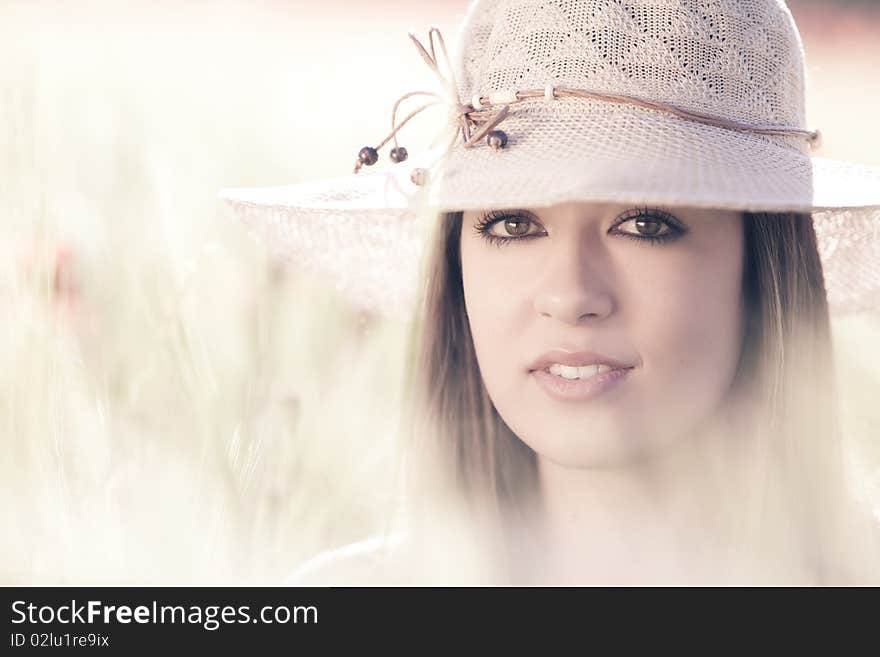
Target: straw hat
(671, 102)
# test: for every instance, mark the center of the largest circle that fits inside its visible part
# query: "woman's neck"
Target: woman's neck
(662, 520)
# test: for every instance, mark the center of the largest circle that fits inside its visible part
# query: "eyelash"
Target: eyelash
(491, 218)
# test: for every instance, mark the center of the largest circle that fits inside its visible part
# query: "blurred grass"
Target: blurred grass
(174, 407)
(171, 412)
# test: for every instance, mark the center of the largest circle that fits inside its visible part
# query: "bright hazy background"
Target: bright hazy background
(174, 407)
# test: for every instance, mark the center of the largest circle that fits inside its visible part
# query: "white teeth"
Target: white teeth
(568, 372)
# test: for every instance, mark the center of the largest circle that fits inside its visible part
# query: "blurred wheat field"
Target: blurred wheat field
(174, 406)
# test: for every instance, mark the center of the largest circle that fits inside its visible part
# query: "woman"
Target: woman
(653, 471)
(622, 360)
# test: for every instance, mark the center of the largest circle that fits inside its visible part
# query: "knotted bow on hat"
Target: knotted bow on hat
(474, 123)
(478, 118)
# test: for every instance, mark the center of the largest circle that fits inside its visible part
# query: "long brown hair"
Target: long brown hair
(785, 376)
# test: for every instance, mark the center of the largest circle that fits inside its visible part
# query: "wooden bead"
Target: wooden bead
(497, 139)
(419, 176)
(398, 154)
(368, 155)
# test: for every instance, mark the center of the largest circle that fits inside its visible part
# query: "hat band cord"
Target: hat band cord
(482, 115)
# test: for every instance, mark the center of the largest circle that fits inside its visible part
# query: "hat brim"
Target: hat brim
(356, 232)
(359, 230)
(586, 150)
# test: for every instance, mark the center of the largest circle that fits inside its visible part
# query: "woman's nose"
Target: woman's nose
(574, 285)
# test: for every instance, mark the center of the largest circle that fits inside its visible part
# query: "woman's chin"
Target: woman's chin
(599, 438)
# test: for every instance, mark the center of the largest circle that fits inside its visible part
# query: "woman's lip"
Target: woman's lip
(575, 359)
(581, 389)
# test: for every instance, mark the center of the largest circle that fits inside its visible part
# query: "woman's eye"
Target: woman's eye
(648, 226)
(511, 227)
(500, 228)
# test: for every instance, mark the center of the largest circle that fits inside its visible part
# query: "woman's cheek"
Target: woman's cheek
(689, 353)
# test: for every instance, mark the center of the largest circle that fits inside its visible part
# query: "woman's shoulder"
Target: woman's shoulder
(374, 561)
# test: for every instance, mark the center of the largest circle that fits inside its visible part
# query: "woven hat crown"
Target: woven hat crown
(737, 59)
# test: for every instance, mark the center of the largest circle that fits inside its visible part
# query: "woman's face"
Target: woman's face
(657, 289)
